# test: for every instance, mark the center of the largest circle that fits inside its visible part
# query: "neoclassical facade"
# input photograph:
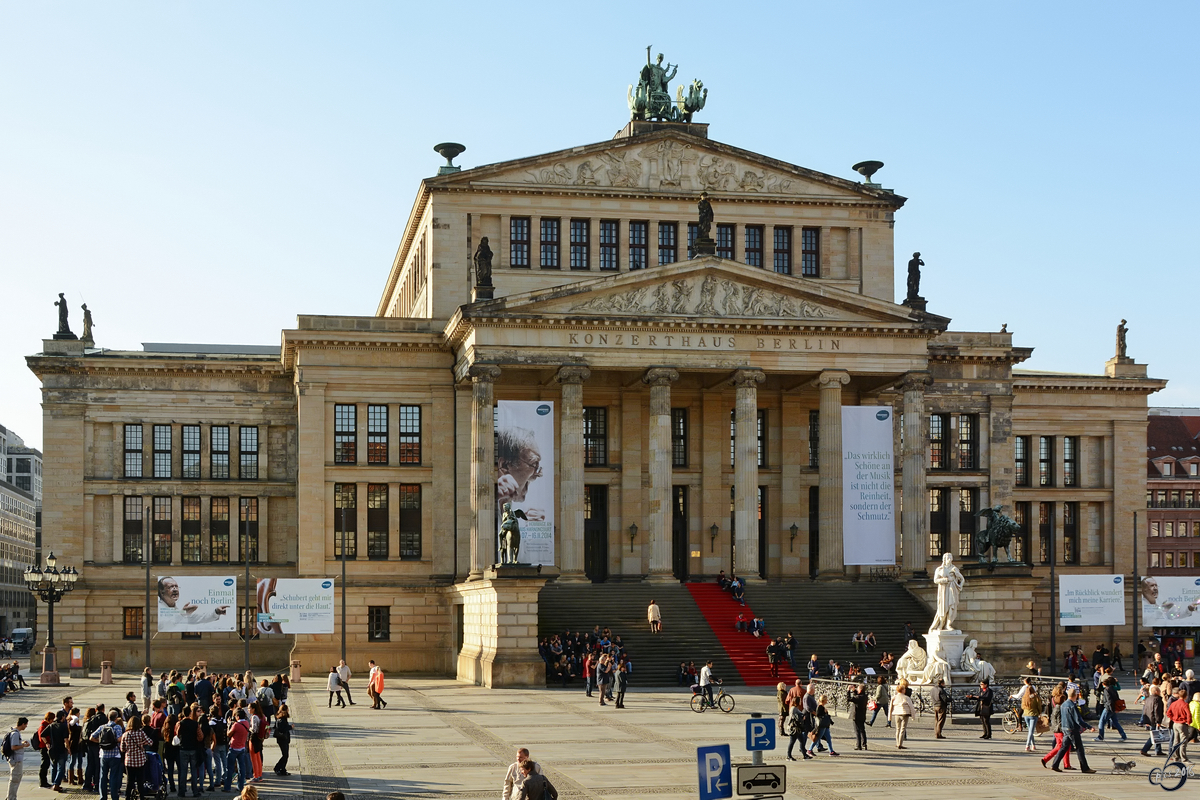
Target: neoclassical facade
(697, 418)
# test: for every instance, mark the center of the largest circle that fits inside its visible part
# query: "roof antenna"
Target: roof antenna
(451, 151)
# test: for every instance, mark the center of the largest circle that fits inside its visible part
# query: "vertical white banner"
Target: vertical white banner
(868, 491)
(525, 474)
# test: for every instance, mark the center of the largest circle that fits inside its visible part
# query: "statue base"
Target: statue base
(503, 571)
(915, 303)
(1124, 367)
(951, 643)
(704, 247)
(67, 335)
(483, 293)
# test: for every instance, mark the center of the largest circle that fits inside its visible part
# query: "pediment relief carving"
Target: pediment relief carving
(708, 296)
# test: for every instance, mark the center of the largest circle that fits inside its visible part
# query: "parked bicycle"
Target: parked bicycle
(723, 701)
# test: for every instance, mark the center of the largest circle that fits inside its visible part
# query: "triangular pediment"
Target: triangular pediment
(665, 162)
(705, 288)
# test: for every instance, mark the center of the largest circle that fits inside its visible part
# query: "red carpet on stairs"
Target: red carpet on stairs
(749, 654)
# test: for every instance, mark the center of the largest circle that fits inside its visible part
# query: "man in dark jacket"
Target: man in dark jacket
(1072, 726)
(537, 786)
(1152, 718)
(941, 707)
(983, 707)
(857, 697)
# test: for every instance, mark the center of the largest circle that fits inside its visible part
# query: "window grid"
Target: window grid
(609, 244)
(639, 233)
(580, 244)
(725, 234)
(549, 244)
(783, 250)
(762, 437)
(1045, 531)
(410, 521)
(248, 453)
(814, 438)
(218, 530)
(939, 533)
(693, 232)
(377, 434)
(162, 451)
(810, 252)
(967, 523)
(345, 434)
(679, 438)
(668, 243)
(1045, 461)
(191, 452)
(595, 436)
(248, 529)
(1071, 533)
(518, 242)
(1021, 515)
(1070, 446)
(937, 441)
(189, 530)
(409, 435)
(219, 452)
(377, 521)
(379, 624)
(345, 496)
(1021, 459)
(135, 625)
(160, 530)
(754, 245)
(132, 531)
(968, 434)
(133, 451)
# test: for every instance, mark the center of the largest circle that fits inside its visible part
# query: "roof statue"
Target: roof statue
(651, 99)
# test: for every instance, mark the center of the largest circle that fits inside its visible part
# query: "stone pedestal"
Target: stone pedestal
(49, 675)
(951, 642)
(915, 303)
(705, 246)
(1124, 367)
(483, 293)
(500, 626)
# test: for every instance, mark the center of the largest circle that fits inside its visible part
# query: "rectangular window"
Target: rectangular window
(580, 244)
(1021, 515)
(693, 234)
(189, 530)
(345, 434)
(135, 626)
(160, 530)
(248, 617)
(939, 425)
(191, 452)
(1045, 461)
(679, 437)
(1169, 528)
(162, 451)
(379, 625)
(410, 521)
(1070, 445)
(218, 530)
(968, 500)
(248, 529)
(783, 250)
(725, 234)
(668, 243)
(248, 453)
(1154, 559)
(549, 242)
(761, 434)
(1155, 529)
(595, 436)
(810, 252)
(754, 245)
(1070, 533)
(639, 234)
(968, 437)
(609, 245)
(1021, 459)
(939, 527)
(132, 531)
(410, 435)
(377, 434)
(518, 242)
(133, 451)
(377, 521)
(1169, 559)
(219, 452)
(1045, 532)
(345, 519)
(814, 438)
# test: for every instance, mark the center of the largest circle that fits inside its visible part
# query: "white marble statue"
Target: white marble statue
(911, 665)
(971, 662)
(938, 668)
(949, 586)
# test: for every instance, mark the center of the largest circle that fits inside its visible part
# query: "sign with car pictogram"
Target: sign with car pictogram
(756, 780)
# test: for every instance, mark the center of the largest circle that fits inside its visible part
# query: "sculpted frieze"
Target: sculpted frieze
(709, 297)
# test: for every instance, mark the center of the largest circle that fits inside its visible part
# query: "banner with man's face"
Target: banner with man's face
(1171, 602)
(197, 603)
(525, 475)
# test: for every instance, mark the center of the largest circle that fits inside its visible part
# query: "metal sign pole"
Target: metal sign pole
(146, 611)
(251, 617)
(343, 583)
(1137, 587)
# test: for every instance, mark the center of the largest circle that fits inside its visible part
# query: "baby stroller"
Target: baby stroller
(154, 783)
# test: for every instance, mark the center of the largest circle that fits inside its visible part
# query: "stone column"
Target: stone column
(745, 472)
(915, 519)
(658, 516)
(830, 562)
(483, 468)
(570, 486)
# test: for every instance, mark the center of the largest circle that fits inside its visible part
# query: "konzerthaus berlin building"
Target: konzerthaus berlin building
(695, 396)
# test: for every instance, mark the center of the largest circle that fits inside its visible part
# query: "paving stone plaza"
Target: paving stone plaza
(441, 738)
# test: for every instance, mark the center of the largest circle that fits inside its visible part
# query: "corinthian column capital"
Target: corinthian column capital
(660, 376)
(748, 378)
(483, 373)
(572, 373)
(831, 378)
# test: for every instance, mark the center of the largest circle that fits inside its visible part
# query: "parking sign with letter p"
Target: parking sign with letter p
(716, 773)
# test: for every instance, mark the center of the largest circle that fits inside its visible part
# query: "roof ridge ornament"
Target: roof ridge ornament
(651, 99)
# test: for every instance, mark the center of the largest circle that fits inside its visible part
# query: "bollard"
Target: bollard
(756, 756)
(106, 673)
(295, 677)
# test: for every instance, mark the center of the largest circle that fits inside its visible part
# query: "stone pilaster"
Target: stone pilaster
(570, 466)
(916, 498)
(483, 467)
(658, 514)
(745, 472)
(830, 558)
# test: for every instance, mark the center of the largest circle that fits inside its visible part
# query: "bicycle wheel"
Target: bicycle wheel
(1011, 722)
(726, 703)
(698, 703)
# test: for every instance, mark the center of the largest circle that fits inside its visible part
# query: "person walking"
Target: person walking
(622, 683)
(881, 700)
(377, 689)
(14, 753)
(76, 749)
(239, 756)
(821, 724)
(857, 696)
(1180, 716)
(40, 742)
(1152, 719)
(514, 779)
(191, 744)
(589, 673)
(902, 710)
(781, 702)
(1031, 709)
(814, 667)
(147, 687)
(170, 751)
(335, 687)
(1072, 727)
(343, 672)
(283, 738)
(260, 729)
(133, 748)
(1108, 703)
(983, 707)
(56, 740)
(536, 786)
(91, 771)
(219, 746)
(1058, 696)
(941, 707)
(604, 676)
(654, 616)
(773, 658)
(108, 737)
(797, 727)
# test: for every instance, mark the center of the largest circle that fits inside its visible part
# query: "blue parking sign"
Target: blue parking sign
(716, 774)
(760, 733)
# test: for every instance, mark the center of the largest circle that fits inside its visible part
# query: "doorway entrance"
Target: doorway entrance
(679, 532)
(595, 532)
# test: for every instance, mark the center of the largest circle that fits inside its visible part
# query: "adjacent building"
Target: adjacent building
(1173, 492)
(20, 529)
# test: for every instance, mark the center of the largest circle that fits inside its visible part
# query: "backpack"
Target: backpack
(1031, 703)
(108, 737)
(35, 741)
(6, 747)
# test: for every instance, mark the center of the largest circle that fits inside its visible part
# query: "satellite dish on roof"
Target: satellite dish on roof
(449, 151)
(868, 168)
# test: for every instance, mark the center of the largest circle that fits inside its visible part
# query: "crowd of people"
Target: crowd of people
(598, 657)
(11, 679)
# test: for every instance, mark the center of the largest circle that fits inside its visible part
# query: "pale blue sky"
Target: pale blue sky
(204, 172)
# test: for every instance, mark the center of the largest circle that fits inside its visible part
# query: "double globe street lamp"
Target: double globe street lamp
(51, 585)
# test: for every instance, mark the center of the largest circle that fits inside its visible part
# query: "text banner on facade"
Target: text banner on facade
(197, 603)
(868, 491)
(525, 474)
(295, 605)
(1091, 600)
(1171, 602)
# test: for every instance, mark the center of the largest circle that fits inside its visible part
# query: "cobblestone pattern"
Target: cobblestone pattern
(321, 773)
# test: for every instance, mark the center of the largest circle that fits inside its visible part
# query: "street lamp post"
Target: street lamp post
(50, 585)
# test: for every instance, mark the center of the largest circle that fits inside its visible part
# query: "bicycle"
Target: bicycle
(723, 701)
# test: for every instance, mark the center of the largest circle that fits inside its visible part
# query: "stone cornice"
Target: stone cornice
(357, 340)
(127, 366)
(1085, 383)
